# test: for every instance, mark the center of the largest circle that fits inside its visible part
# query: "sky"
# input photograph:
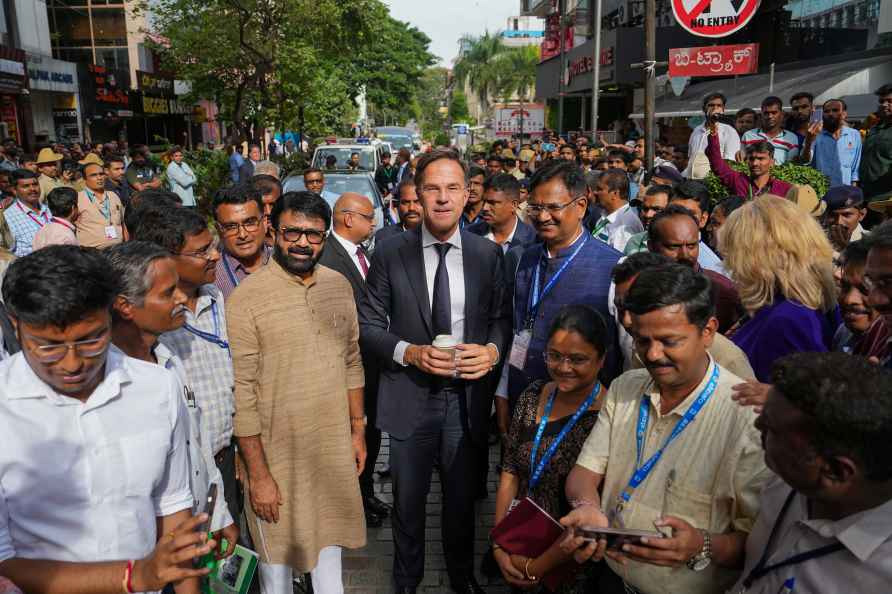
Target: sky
(445, 21)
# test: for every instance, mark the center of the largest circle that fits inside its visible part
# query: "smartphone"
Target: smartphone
(816, 116)
(548, 147)
(617, 537)
(204, 527)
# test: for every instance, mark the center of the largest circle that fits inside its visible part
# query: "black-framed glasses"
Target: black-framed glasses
(555, 358)
(53, 353)
(293, 235)
(250, 225)
(553, 209)
(207, 253)
(370, 218)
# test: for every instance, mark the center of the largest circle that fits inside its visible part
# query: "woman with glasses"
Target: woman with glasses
(551, 421)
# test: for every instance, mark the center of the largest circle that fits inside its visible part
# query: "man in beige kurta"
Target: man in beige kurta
(294, 341)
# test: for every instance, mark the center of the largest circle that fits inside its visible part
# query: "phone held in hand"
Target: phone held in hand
(816, 116)
(616, 537)
(205, 527)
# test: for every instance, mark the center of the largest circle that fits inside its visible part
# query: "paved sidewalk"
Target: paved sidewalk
(368, 570)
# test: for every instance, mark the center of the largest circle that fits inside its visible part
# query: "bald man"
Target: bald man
(354, 223)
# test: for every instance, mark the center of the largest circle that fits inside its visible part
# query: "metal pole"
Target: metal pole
(771, 78)
(650, 81)
(596, 85)
(561, 70)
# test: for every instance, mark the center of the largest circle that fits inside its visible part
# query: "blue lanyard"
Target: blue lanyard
(211, 338)
(535, 297)
(643, 415)
(105, 210)
(538, 469)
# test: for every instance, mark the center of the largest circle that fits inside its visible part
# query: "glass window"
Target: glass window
(70, 27)
(109, 26)
(115, 58)
(74, 54)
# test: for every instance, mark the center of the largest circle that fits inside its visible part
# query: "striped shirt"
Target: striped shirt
(208, 366)
(230, 271)
(786, 144)
(24, 222)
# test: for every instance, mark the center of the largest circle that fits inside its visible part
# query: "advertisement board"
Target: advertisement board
(507, 122)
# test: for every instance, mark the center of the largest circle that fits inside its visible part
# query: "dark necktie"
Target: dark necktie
(441, 306)
(363, 263)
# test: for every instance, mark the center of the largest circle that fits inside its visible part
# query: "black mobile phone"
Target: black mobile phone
(617, 537)
(209, 504)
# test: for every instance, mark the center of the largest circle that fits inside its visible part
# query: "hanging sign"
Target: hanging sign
(714, 18)
(714, 60)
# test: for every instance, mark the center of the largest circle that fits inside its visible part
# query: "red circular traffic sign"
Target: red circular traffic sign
(714, 18)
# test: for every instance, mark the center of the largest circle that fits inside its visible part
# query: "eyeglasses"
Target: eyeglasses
(293, 235)
(205, 254)
(250, 225)
(554, 358)
(553, 209)
(370, 218)
(53, 353)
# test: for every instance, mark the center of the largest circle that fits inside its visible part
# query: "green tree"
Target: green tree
(271, 63)
(458, 107)
(430, 97)
(477, 65)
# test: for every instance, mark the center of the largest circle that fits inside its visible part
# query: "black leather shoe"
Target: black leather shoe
(373, 520)
(374, 505)
(405, 590)
(467, 586)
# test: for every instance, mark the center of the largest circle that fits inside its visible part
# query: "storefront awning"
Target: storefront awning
(855, 79)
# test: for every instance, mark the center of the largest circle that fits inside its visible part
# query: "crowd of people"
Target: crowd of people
(699, 395)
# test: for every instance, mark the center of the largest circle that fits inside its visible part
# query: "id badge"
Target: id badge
(111, 232)
(519, 348)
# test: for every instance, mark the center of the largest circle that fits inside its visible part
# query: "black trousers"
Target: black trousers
(440, 437)
(373, 447)
(225, 460)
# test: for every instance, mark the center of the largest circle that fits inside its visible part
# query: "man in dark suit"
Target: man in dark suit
(501, 195)
(408, 208)
(353, 224)
(435, 404)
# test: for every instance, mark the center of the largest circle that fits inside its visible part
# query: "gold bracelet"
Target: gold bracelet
(526, 570)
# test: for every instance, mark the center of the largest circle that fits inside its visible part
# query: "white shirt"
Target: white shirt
(85, 482)
(508, 241)
(729, 143)
(203, 469)
(619, 226)
(350, 248)
(456, 268)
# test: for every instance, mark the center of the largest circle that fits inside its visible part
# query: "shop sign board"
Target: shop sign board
(714, 60)
(507, 122)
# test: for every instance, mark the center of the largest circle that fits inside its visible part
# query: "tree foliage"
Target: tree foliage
(430, 95)
(271, 63)
(458, 107)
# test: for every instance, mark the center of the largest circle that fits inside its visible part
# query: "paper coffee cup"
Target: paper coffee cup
(445, 343)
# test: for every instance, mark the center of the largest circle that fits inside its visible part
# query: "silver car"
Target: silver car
(336, 183)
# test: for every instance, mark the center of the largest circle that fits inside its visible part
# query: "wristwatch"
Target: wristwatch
(362, 421)
(701, 560)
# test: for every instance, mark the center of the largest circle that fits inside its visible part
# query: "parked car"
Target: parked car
(369, 156)
(398, 137)
(338, 182)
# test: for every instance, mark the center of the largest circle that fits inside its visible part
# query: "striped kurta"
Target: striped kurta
(295, 353)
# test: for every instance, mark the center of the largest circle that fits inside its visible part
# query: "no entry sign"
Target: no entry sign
(714, 18)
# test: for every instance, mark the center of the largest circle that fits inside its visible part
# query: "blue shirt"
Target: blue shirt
(840, 158)
(24, 224)
(235, 162)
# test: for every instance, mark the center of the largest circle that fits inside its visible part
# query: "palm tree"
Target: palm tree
(476, 65)
(516, 74)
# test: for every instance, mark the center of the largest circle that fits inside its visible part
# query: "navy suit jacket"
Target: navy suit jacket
(386, 232)
(524, 235)
(396, 307)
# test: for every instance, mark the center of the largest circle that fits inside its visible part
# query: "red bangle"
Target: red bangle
(129, 578)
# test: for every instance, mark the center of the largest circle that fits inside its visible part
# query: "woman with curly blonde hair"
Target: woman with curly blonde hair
(781, 261)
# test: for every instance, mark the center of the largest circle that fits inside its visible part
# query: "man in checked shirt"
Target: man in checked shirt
(201, 343)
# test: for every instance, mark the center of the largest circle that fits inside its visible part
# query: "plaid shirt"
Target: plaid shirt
(208, 366)
(23, 226)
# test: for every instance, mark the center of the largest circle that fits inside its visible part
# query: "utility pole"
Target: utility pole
(596, 73)
(650, 83)
(561, 69)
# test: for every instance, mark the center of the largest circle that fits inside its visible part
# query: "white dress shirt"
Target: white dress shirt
(456, 268)
(698, 164)
(203, 469)
(350, 248)
(616, 228)
(506, 245)
(85, 481)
